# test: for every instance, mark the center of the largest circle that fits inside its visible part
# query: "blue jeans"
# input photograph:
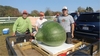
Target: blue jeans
(68, 38)
(20, 36)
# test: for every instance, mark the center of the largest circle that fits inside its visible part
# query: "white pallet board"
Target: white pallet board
(55, 50)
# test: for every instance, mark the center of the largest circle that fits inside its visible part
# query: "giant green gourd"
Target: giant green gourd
(51, 33)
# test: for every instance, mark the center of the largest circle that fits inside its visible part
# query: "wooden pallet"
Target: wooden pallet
(28, 45)
(51, 52)
(76, 46)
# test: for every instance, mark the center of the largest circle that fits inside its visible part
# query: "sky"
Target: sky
(54, 5)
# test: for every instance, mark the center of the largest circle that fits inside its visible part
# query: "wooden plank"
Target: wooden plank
(17, 50)
(76, 46)
(32, 52)
(26, 47)
(21, 50)
(25, 43)
(43, 52)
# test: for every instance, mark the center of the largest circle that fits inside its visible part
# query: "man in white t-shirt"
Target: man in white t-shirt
(40, 20)
(67, 22)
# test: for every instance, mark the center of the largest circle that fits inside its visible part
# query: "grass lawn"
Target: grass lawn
(3, 50)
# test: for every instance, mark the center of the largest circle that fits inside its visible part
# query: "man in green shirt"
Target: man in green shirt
(22, 24)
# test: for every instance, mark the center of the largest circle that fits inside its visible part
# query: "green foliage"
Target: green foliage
(34, 13)
(48, 12)
(89, 9)
(81, 10)
(98, 11)
(57, 12)
(8, 11)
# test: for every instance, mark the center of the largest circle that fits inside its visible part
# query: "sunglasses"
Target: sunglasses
(64, 9)
(25, 13)
(41, 15)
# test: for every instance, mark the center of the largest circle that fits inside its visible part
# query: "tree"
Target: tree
(98, 11)
(2, 10)
(48, 12)
(8, 11)
(16, 12)
(35, 13)
(80, 9)
(89, 9)
(56, 12)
